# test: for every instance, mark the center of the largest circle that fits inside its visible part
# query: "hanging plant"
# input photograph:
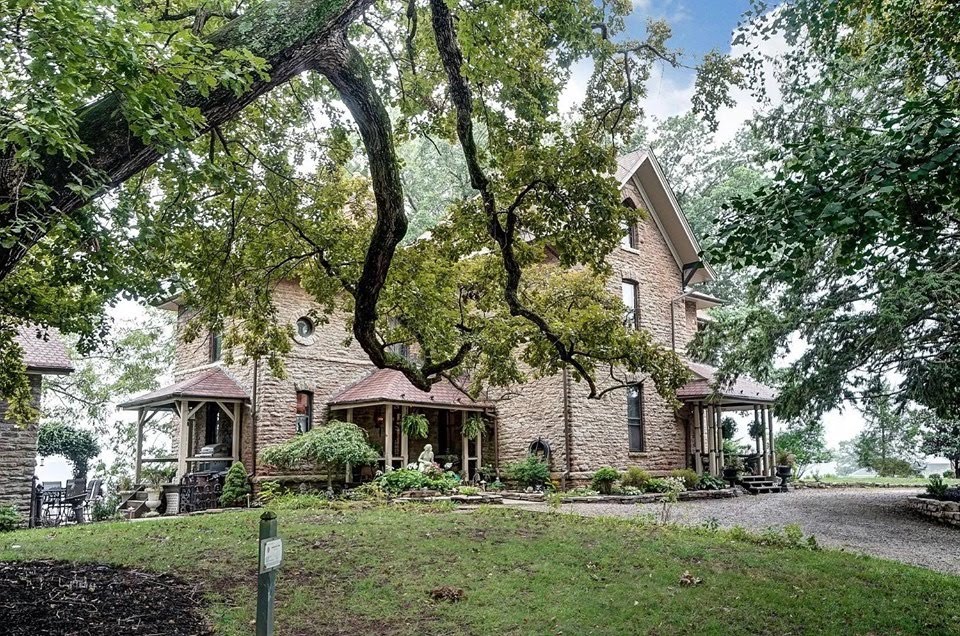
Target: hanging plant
(415, 425)
(474, 427)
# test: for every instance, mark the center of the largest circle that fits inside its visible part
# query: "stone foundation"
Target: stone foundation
(942, 511)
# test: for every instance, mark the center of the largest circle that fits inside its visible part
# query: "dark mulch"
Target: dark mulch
(81, 599)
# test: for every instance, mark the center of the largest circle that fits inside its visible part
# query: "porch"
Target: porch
(707, 403)
(379, 403)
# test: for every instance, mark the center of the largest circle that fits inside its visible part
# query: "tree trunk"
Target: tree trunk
(291, 35)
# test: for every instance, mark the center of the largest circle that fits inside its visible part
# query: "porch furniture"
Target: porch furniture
(53, 507)
(93, 494)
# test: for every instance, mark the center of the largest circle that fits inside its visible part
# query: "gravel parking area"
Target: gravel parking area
(870, 521)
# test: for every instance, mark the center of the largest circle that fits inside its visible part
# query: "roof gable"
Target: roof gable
(212, 384)
(43, 350)
(642, 169)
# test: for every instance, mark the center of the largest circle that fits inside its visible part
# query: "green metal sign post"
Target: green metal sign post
(271, 555)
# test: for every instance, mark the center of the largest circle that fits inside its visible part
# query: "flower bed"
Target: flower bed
(943, 511)
(650, 497)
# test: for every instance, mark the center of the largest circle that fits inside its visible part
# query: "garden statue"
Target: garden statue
(425, 460)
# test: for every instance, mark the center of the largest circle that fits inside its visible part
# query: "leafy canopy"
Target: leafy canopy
(332, 447)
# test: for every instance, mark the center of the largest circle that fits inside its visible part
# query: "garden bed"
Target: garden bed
(80, 599)
(650, 497)
(434, 497)
(943, 511)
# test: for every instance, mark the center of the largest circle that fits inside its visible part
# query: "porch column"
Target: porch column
(697, 439)
(478, 445)
(712, 439)
(772, 448)
(235, 439)
(722, 461)
(404, 439)
(184, 450)
(139, 461)
(387, 438)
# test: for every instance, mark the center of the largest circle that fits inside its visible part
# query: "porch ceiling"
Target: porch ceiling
(211, 385)
(388, 385)
(745, 392)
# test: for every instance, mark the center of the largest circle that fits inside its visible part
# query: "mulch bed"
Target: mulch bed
(80, 599)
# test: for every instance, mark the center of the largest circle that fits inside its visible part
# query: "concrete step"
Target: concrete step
(761, 490)
(756, 478)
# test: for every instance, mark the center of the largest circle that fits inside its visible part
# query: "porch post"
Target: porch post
(184, 449)
(478, 445)
(464, 446)
(723, 460)
(773, 450)
(235, 439)
(404, 439)
(712, 439)
(697, 439)
(387, 438)
(139, 463)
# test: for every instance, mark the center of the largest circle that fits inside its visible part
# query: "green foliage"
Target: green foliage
(299, 501)
(785, 458)
(79, 446)
(415, 425)
(530, 472)
(404, 479)
(937, 488)
(468, 490)
(689, 477)
(332, 446)
(474, 427)
(9, 519)
(889, 441)
(604, 478)
(106, 509)
(806, 442)
(495, 485)
(940, 436)
(864, 148)
(709, 482)
(371, 491)
(236, 486)
(269, 490)
(635, 477)
(156, 476)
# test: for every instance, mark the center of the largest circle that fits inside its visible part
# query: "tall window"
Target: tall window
(635, 424)
(631, 237)
(631, 316)
(304, 411)
(216, 346)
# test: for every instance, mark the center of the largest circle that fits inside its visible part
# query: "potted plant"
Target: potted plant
(785, 462)
(733, 467)
(154, 478)
(125, 487)
(415, 425)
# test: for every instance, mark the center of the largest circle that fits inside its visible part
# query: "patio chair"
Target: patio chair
(49, 486)
(94, 494)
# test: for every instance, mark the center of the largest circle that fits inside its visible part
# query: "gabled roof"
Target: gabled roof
(642, 166)
(744, 390)
(388, 385)
(43, 350)
(212, 384)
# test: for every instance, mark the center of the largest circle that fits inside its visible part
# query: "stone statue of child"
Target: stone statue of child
(426, 458)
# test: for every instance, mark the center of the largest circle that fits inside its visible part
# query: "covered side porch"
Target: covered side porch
(379, 403)
(707, 404)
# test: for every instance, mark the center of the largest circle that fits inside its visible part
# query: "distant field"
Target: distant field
(884, 481)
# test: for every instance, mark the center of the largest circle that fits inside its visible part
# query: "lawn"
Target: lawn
(880, 481)
(370, 571)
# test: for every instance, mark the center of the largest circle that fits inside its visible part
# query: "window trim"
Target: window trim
(309, 414)
(635, 285)
(639, 423)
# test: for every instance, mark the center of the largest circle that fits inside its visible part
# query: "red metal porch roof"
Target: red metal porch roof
(212, 384)
(388, 385)
(744, 389)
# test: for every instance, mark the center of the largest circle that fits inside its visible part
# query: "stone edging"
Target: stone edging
(650, 497)
(942, 511)
(815, 485)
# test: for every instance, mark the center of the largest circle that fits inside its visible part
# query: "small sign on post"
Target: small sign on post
(271, 555)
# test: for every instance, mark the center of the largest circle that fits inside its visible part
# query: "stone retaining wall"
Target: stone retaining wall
(650, 497)
(943, 511)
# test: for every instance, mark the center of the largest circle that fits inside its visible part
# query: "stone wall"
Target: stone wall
(942, 511)
(18, 456)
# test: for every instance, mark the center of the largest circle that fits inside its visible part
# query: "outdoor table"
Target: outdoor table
(76, 504)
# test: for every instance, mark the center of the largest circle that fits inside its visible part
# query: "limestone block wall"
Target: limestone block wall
(529, 411)
(18, 456)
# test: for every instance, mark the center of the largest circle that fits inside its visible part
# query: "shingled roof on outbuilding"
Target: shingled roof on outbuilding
(43, 350)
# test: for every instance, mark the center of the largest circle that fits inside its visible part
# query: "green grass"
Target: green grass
(370, 570)
(882, 481)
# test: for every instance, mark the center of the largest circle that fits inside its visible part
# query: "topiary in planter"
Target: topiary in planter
(236, 487)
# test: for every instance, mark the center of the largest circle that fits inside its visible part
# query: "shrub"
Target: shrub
(468, 490)
(106, 509)
(236, 487)
(949, 474)
(397, 481)
(690, 478)
(636, 478)
(630, 490)
(332, 446)
(495, 485)
(709, 482)
(269, 490)
(9, 518)
(603, 479)
(937, 488)
(665, 485)
(529, 472)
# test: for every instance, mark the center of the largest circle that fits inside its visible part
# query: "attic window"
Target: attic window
(305, 327)
(631, 233)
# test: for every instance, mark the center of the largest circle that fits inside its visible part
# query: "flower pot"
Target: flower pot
(784, 473)
(730, 474)
(153, 502)
(173, 503)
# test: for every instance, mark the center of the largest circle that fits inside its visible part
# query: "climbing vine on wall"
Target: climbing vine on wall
(78, 445)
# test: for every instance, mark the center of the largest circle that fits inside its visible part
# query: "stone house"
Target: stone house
(236, 410)
(43, 354)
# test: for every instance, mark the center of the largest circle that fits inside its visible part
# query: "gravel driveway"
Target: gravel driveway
(871, 521)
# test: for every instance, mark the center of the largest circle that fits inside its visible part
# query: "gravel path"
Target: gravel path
(871, 521)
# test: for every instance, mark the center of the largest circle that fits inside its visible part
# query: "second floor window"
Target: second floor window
(631, 315)
(304, 411)
(635, 423)
(631, 234)
(216, 346)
